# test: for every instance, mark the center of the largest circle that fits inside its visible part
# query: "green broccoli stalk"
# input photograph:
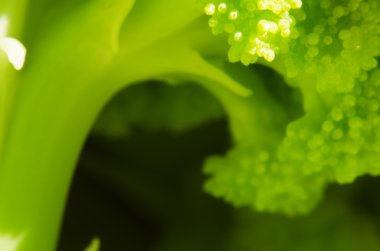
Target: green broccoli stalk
(41, 141)
(78, 57)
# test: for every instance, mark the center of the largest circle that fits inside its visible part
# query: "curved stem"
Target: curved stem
(61, 94)
(255, 119)
(49, 119)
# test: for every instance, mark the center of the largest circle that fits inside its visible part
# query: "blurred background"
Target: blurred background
(139, 186)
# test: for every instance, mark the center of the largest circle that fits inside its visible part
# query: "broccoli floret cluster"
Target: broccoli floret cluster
(332, 60)
(338, 42)
(257, 29)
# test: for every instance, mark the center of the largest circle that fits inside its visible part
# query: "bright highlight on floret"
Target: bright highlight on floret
(256, 28)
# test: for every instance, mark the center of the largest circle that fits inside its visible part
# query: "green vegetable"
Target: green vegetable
(80, 53)
(330, 56)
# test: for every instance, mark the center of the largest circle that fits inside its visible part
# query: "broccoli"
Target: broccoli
(80, 53)
(329, 53)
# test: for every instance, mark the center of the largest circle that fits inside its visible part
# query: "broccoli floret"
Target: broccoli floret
(332, 60)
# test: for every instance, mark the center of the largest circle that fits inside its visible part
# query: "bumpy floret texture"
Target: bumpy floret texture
(338, 42)
(256, 28)
(333, 62)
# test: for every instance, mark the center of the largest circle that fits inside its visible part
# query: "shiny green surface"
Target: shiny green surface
(288, 145)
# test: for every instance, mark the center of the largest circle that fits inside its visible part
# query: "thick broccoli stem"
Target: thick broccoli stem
(75, 69)
(37, 167)
(14, 10)
(53, 108)
(11, 11)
